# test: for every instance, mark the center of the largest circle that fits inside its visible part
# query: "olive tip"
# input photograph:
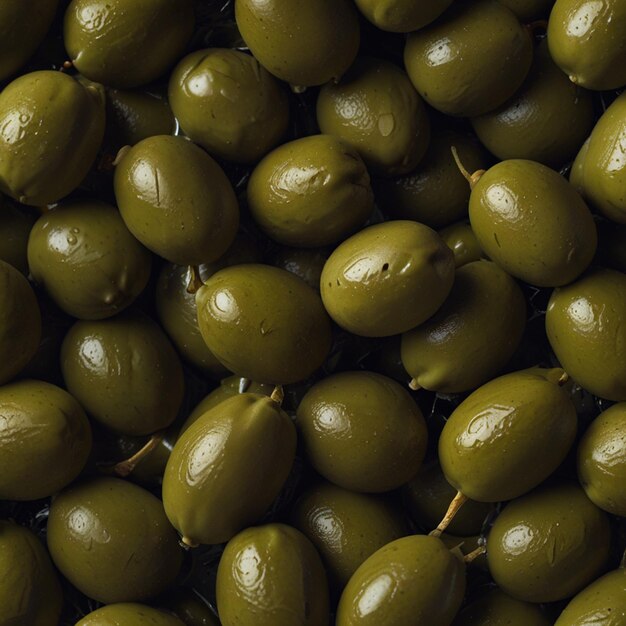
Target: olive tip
(187, 543)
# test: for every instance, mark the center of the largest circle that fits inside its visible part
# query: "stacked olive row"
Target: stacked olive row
(283, 291)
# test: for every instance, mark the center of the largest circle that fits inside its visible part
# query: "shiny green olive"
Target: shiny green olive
(460, 238)
(229, 104)
(362, 431)
(411, 581)
(528, 10)
(69, 114)
(612, 246)
(585, 326)
(227, 468)
(15, 227)
(305, 44)
(472, 336)
(459, 70)
(85, 258)
(402, 16)
(586, 41)
(129, 614)
(577, 173)
(508, 436)
(264, 323)
(532, 222)
(310, 192)
(376, 110)
(547, 545)
(387, 279)
(176, 200)
(108, 40)
(118, 370)
(30, 593)
(346, 527)
(306, 264)
(187, 605)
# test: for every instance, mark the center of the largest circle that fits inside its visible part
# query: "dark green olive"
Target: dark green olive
(129, 614)
(15, 227)
(460, 238)
(190, 608)
(402, 16)
(306, 264)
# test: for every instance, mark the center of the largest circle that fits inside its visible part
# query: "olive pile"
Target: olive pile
(312, 312)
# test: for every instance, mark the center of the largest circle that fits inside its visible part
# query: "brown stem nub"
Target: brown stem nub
(563, 378)
(474, 554)
(67, 65)
(187, 543)
(472, 179)
(194, 282)
(124, 468)
(457, 502)
(297, 88)
(278, 394)
(414, 385)
(121, 153)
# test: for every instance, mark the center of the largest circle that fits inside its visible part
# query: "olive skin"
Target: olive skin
(528, 10)
(305, 43)
(85, 258)
(227, 468)
(39, 105)
(229, 104)
(15, 227)
(272, 576)
(584, 322)
(20, 322)
(104, 38)
(604, 601)
(346, 527)
(362, 431)
(401, 16)
(508, 436)
(602, 460)
(586, 41)
(264, 323)
(547, 120)
(112, 541)
(387, 278)
(460, 238)
(412, 581)
(547, 545)
(305, 263)
(118, 369)
(472, 336)
(176, 200)
(532, 223)
(470, 61)
(435, 194)
(30, 593)
(310, 192)
(376, 110)
(129, 614)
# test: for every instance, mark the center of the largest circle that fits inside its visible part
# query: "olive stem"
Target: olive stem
(472, 179)
(194, 282)
(414, 385)
(563, 378)
(67, 65)
(124, 468)
(474, 554)
(187, 543)
(278, 394)
(457, 502)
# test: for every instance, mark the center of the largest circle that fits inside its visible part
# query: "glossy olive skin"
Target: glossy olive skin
(310, 192)
(402, 16)
(547, 120)
(603, 601)
(41, 104)
(229, 104)
(119, 368)
(376, 110)
(346, 527)
(612, 246)
(264, 323)
(472, 336)
(306, 264)
(305, 44)
(85, 258)
(188, 606)
(412, 581)
(427, 497)
(176, 200)
(602, 460)
(129, 614)
(387, 279)
(527, 10)
(549, 544)
(435, 194)
(508, 436)
(20, 322)
(112, 541)
(227, 468)
(532, 222)
(105, 38)
(470, 61)
(30, 592)
(362, 431)
(460, 238)
(15, 227)
(586, 41)
(584, 322)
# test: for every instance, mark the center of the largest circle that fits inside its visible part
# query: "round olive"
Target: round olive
(612, 246)
(126, 45)
(125, 372)
(305, 44)
(190, 608)
(528, 10)
(229, 104)
(176, 200)
(82, 254)
(112, 541)
(362, 431)
(402, 16)
(129, 614)
(460, 238)
(15, 227)
(387, 279)
(460, 71)
(585, 326)
(547, 545)
(69, 114)
(306, 264)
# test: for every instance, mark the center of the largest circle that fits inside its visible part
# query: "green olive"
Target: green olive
(460, 238)
(15, 227)
(306, 264)
(402, 16)
(129, 614)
